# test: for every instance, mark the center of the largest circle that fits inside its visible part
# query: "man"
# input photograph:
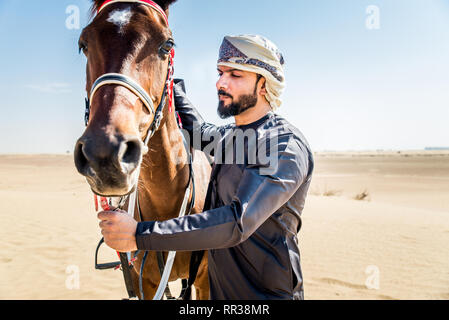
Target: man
(253, 206)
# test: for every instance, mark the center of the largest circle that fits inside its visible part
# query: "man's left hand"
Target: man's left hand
(119, 230)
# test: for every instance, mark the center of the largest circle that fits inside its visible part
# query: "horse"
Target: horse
(133, 39)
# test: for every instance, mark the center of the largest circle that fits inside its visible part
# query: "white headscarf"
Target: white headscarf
(256, 54)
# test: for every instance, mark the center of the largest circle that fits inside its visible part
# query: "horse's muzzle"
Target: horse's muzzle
(109, 163)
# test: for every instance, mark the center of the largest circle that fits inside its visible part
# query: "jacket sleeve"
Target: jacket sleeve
(200, 133)
(258, 196)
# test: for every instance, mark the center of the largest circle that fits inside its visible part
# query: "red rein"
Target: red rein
(103, 202)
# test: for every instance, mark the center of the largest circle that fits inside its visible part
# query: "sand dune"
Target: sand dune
(392, 245)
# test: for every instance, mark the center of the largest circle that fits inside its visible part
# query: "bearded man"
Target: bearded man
(253, 206)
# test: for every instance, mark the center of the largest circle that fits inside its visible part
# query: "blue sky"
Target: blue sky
(348, 87)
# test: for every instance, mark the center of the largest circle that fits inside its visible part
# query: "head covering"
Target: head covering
(256, 54)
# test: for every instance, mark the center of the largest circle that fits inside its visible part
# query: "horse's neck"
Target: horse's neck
(164, 174)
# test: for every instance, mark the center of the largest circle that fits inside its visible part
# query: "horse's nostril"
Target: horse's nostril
(132, 152)
(131, 156)
(81, 161)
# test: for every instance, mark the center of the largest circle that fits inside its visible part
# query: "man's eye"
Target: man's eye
(236, 76)
(167, 46)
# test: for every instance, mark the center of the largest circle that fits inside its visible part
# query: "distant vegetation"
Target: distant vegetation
(362, 196)
(436, 148)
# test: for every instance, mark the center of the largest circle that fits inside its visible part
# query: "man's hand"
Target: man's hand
(118, 230)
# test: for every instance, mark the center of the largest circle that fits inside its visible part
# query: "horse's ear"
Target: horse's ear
(165, 4)
(95, 6)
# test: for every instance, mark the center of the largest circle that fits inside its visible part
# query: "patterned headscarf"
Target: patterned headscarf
(256, 54)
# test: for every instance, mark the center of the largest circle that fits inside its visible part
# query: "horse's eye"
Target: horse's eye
(83, 48)
(167, 46)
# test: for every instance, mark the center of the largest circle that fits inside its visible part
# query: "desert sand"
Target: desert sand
(375, 226)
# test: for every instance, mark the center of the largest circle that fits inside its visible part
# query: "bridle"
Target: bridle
(133, 86)
(136, 88)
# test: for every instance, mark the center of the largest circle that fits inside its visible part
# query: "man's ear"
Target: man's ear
(263, 89)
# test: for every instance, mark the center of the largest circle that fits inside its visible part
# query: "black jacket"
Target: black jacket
(253, 207)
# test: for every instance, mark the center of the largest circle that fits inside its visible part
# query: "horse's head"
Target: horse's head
(130, 39)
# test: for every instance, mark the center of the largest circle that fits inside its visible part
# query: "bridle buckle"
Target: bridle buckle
(87, 112)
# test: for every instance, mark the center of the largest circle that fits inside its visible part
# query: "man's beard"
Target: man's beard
(245, 102)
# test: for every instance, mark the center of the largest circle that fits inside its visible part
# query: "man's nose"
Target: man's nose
(222, 83)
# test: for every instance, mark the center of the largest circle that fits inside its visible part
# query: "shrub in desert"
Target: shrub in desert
(364, 195)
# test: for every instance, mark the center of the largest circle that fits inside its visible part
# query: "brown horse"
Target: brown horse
(133, 39)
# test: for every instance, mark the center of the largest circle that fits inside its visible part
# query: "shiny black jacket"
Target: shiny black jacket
(253, 207)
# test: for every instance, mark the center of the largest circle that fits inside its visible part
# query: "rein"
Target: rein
(126, 261)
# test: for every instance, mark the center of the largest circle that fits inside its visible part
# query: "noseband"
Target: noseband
(133, 86)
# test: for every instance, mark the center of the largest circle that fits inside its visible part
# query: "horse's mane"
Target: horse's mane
(164, 4)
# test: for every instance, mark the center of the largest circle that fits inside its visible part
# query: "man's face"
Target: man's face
(237, 91)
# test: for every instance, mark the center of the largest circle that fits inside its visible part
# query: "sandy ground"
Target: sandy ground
(392, 244)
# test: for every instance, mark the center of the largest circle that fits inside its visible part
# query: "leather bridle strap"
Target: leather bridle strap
(133, 86)
(127, 82)
(124, 81)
